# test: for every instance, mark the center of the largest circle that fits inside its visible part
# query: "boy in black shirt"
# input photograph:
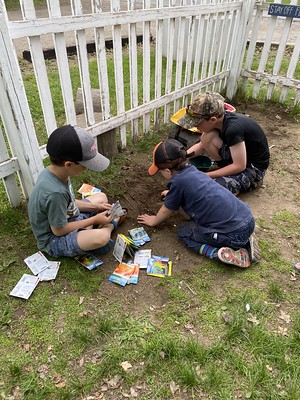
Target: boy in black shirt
(235, 141)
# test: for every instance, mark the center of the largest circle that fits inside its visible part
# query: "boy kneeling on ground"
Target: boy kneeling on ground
(221, 225)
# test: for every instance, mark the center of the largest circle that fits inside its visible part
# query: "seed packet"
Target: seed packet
(139, 235)
(122, 274)
(25, 286)
(50, 272)
(141, 257)
(89, 261)
(37, 262)
(159, 266)
(87, 190)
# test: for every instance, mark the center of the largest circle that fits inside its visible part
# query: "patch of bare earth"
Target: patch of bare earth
(279, 193)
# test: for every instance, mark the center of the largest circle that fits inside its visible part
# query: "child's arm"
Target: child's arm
(98, 219)
(239, 162)
(88, 206)
(197, 149)
(153, 220)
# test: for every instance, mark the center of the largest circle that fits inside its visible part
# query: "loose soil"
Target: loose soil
(279, 193)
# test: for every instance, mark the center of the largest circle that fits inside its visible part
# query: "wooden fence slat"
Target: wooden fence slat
(169, 56)
(63, 65)
(83, 64)
(256, 21)
(16, 116)
(158, 64)
(118, 60)
(191, 26)
(102, 63)
(264, 54)
(240, 38)
(199, 48)
(7, 173)
(291, 70)
(179, 56)
(207, 44)
(219, 46)
(133, 64)
(37, 57)
(146, 67)
(215, 40)
(280, 54)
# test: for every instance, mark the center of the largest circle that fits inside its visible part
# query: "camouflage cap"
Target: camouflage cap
(205, 105)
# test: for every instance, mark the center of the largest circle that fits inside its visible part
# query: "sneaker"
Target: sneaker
(254, 251)
(296, 266)
(239, 258)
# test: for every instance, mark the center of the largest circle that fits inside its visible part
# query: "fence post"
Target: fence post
(246, 13)
(15, 112)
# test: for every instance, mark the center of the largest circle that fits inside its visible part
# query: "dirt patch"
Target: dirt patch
(279, 193)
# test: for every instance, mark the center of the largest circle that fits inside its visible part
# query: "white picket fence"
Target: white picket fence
(196, 45)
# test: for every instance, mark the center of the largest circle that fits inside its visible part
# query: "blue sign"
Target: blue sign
(282, 10)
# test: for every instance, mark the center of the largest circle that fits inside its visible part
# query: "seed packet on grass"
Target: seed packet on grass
(87, 190)
(89, 261)
(37, 262)
(49, 273)
(25, 286)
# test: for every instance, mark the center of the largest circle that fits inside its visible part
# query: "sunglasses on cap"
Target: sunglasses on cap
(191, 113)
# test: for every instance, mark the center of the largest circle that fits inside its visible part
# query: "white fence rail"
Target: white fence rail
(187, 46)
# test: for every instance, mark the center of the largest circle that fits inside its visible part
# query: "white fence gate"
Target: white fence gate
(187, 46)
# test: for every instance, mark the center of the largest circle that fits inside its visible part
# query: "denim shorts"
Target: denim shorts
(192, 235)
(67, 246)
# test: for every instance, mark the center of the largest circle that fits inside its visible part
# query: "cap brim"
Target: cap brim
(98, 163)
(153, 169)
(188, 122)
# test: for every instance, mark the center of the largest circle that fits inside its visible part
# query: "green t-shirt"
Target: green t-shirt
(51, 203)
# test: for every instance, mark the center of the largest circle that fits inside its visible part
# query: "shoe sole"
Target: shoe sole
(255, 255)
(240, 258)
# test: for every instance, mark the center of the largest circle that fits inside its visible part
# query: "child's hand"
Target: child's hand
(147, 219)
(103, 207)
(102, 218)
(163, 194)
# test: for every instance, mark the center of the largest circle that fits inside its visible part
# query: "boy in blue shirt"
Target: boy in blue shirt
(220, 224)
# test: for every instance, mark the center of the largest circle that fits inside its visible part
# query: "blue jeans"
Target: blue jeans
(192, 235)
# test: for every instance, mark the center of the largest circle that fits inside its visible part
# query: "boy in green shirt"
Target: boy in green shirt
(62, 225)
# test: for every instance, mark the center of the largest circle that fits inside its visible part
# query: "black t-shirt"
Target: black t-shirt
(239, 128)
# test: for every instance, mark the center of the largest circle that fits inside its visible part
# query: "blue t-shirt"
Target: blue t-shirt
(209, 204)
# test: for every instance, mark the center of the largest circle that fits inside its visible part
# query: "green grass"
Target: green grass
(219, 334)
(224, 342)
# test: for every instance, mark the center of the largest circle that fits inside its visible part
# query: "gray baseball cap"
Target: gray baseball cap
(72, 143)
